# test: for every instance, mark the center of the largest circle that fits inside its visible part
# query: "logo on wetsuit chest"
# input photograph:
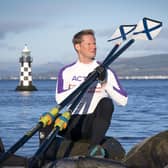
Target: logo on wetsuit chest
(78, 78)
(95, 88)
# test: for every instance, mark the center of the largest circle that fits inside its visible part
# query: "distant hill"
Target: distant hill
(8, 70)
(154, 65)
(44, 71)
(47, 71)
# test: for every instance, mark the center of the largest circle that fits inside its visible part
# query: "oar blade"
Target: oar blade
(147, 29)
(122, 33)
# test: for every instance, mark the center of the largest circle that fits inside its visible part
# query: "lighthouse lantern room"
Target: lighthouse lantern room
(25, 83)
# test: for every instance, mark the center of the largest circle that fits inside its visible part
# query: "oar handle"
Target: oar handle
(43, 147)
(20, 143)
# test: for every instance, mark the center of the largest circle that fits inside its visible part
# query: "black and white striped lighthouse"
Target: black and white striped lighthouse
(25, 83)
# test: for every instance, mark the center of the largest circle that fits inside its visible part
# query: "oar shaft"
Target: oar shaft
(114, 49)
(77, 99)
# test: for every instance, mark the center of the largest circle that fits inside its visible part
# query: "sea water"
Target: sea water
(145, 115)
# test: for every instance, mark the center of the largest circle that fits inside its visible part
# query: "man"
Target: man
(92, 116)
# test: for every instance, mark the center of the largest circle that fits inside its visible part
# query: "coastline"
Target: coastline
(143, 77)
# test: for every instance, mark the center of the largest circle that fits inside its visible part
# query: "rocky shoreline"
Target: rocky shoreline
(152, 152)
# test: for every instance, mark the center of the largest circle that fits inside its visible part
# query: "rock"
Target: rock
(14, 160)
(67, 148)
(2, 149)
(26, 88)
(63, 153)
(84, 162)
(151, 153)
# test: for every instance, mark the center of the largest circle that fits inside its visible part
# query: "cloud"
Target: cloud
(16, 27)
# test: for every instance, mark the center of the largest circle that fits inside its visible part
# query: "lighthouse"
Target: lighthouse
(25, 83)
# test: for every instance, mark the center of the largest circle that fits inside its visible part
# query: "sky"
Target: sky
(47, 27)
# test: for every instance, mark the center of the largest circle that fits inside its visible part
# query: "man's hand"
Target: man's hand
(102, 73)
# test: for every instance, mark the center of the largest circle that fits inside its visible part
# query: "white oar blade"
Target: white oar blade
(122, 33)
(147, 29)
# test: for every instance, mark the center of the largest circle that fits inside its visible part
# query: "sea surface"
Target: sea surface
(145, 115)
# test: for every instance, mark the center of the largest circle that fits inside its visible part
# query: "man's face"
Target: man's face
(87, 48)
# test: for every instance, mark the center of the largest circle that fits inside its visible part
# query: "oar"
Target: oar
(108, 61)
(62, 121)
(49, 117)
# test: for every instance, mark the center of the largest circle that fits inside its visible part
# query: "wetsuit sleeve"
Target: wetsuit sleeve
(62, 88)
(115, 90)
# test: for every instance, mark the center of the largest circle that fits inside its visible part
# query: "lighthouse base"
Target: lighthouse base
(26, 88)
